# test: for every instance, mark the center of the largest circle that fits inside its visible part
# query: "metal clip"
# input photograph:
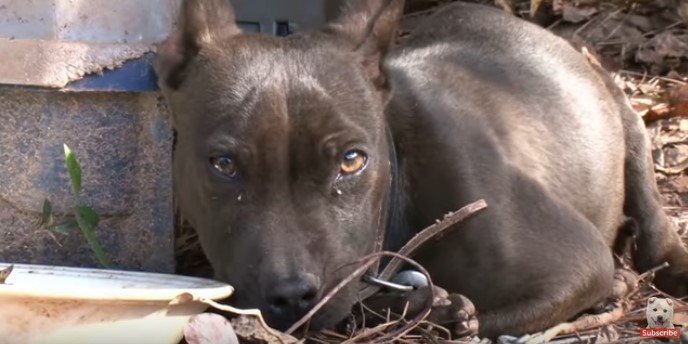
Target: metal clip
(403, 281)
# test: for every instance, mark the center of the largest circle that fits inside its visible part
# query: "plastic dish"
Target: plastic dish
(55, 305)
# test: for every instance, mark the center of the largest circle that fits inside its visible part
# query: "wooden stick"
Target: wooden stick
(433, 231)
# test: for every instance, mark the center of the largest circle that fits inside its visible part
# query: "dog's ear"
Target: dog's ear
(371, 27)
(201, 23)
(651, 300)
(669, 302)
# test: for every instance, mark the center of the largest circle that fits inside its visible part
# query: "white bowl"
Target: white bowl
(56, 305)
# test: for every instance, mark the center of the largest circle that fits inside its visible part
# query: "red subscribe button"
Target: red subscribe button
(660, 332)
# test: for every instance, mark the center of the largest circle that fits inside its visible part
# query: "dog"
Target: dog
(294, 153)
(660, 313)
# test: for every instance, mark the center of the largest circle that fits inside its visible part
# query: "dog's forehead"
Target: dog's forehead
(242, 65)
(281, 81)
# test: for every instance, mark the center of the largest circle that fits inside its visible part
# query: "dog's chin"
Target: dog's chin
(326, 318)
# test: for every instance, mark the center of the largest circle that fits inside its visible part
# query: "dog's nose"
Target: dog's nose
(292, 298)
(660, 317)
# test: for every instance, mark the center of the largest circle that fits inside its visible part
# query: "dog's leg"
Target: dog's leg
(530, 316)
(530, 295)
(556, 294)
(625, 282)
(657, 241)
(526, 265)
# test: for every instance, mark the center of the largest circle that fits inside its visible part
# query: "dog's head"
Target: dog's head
(659, 310)
(281, 162)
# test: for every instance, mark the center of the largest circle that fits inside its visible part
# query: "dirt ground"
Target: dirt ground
(644, 45)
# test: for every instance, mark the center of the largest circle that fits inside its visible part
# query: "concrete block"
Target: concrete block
(124, 144)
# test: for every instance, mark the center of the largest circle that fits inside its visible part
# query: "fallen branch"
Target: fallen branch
(650, 272)
(435, 231)
(583, 323)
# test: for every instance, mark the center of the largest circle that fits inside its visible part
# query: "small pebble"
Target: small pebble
(209, 328)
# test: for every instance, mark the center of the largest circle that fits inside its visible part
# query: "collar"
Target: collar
(389, 225)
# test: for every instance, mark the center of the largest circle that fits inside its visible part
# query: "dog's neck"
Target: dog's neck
(397, 231)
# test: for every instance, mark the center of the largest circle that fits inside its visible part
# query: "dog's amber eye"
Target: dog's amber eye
(353, 162)
(224, 165)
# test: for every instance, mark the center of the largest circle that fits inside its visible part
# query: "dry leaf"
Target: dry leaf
(534, 6)
(661, 108)
(574, 14)
(505, 5)
(678, 98)
(4, 273)
(665, 45)
(642, 101)
(251, 331)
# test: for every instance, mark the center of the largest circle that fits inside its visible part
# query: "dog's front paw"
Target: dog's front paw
(625, 282)
(455, 312)
(452, 311)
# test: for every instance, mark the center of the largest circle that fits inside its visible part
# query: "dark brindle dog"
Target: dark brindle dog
(293, 151)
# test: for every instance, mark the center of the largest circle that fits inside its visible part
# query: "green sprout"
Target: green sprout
(84, 217)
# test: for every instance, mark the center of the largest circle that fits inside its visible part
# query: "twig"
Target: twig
(368, 261)
(647, 273)
(663, 78)
(334, 334)
(317, 340)
(673, 170)
(371, 311)
(642, 277)
(377, 329)
(370, 331)
(432, 231)
(409, 326)
(666, 28)
(585, 26)
(440, 328)
(581, 324)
